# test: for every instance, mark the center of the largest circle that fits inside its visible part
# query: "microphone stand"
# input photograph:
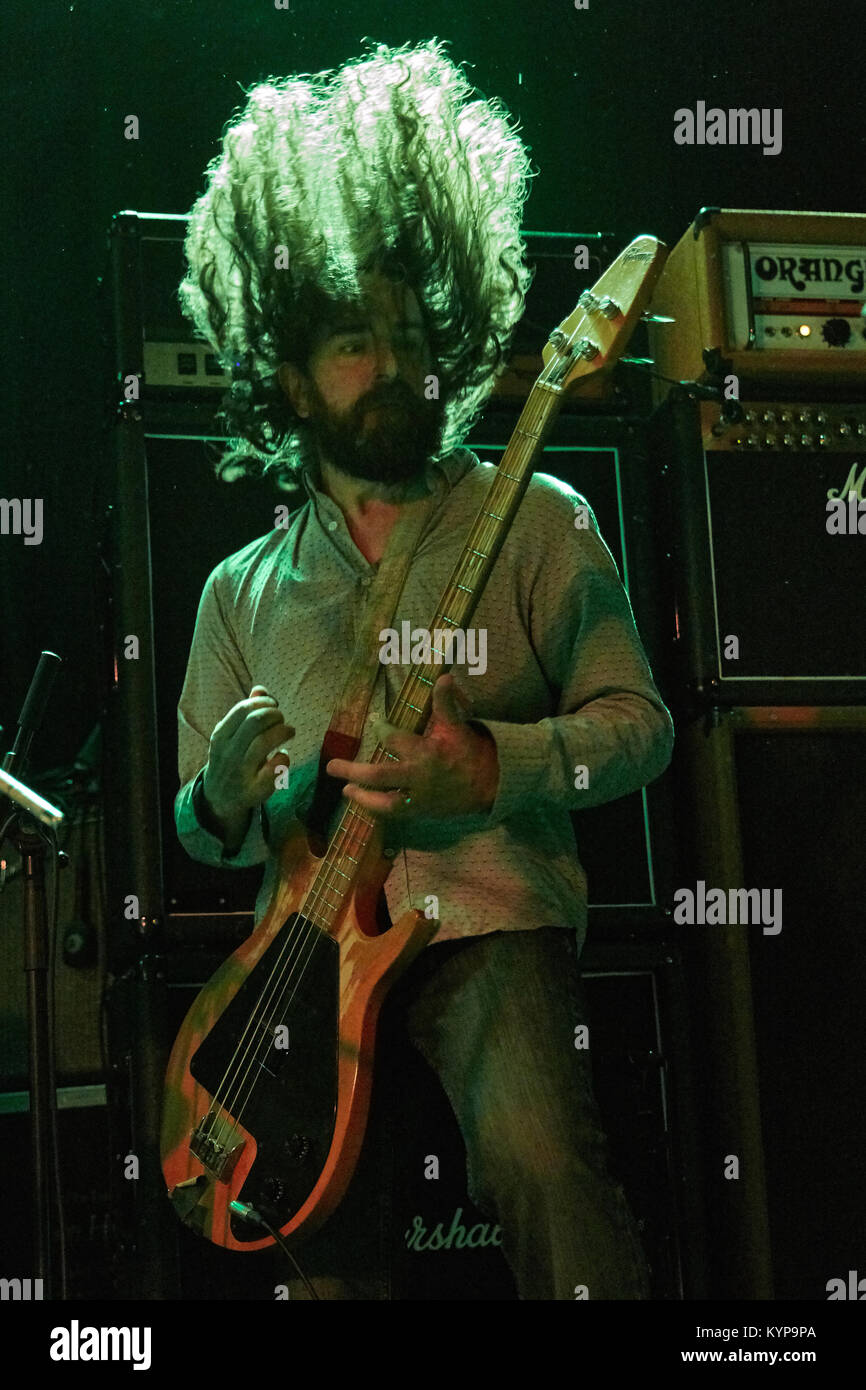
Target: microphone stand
(22, 827)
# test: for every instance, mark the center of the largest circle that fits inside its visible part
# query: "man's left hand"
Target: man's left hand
(452, 770)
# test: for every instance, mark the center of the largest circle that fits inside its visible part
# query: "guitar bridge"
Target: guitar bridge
(219, 1159)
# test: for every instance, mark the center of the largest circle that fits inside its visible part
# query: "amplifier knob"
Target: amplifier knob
(769, 441)
(821, 418)
(786, 418)
(750, 417)
(789, 441)
(836, 332)
(769, 417)
(824, 440)
(806, 441)
(844, 430)
(804, 417)
(861, 431)
(753, 441)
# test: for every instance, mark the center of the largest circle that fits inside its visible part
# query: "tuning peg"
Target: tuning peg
(586, 349)
(593, 305)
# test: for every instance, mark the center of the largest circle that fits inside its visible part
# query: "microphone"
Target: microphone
(36, 805)
(33, 709)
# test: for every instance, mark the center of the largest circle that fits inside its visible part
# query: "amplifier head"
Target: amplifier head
(778, 296)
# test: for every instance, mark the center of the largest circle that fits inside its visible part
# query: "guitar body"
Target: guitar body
(269, 1105)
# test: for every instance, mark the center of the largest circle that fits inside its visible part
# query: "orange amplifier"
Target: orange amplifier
(777, 295)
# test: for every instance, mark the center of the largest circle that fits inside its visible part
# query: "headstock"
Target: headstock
(597, 330)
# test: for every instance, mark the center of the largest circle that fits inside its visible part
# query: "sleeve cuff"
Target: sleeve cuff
(523, 754)
(201, 844)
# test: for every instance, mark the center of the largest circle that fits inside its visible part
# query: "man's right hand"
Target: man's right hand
(243, 756)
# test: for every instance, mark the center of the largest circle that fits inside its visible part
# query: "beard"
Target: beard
(388, 436)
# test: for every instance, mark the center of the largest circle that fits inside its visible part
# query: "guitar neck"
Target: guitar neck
(486, 538)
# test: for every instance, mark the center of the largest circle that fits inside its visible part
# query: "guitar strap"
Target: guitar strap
(343, 737)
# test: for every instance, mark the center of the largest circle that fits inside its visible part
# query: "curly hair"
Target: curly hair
(392, 163)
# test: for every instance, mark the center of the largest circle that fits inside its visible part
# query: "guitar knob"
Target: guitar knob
(296, 1149)
(272, 1191)
(836, 332)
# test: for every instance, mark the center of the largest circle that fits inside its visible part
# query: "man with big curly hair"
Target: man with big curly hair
(356, 264)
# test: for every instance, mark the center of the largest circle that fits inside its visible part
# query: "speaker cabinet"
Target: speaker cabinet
(802, 809)
(770, 603)
(625, 846)
(776, 802)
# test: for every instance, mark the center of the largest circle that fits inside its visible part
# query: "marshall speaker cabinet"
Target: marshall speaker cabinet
(767, 528)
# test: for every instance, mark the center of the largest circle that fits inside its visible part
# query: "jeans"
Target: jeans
(495, 1017)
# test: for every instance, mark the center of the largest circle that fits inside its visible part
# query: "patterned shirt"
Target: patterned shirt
(567, 694)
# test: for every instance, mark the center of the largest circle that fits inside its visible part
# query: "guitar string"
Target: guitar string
(285, 961)
(508, 484)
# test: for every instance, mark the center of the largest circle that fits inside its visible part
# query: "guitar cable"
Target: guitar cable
(249, 1213)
